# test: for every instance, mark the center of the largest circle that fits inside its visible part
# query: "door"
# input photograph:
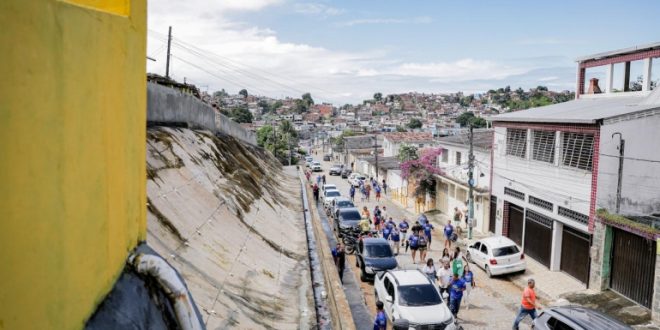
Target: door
(575, 258)
(515, 223)
(443, 195)
(492, 220)
(538, 237)
(633, 266)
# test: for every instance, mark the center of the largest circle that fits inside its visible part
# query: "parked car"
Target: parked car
(410, 295)
(335, 170)
(374, 255)
(346, 173)
(328, 196)
(308, 161)
(348, 217)
(329, 186)
(327, 158)
(316, 167)
(338, 204)
(576, 318)
(497, 255)
(356, 178)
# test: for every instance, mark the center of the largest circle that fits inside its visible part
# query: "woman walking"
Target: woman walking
(468, 278)
(458, 264)
(430, 271)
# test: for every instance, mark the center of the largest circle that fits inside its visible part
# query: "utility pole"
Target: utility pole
(169, 44)
(622, 144)
(471, 185)
(376, 154)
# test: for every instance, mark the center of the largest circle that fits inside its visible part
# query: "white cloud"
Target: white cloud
(317, 9)
(363, 21)
(551, 78)
(538, 41)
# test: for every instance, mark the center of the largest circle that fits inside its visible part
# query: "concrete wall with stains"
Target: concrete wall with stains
(72, 160)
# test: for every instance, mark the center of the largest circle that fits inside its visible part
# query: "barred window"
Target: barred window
(577, 150)
(543, 146)
(516, 142)
(444, 155)
(539, 218)
(458, 158)
(514, 193)
(541, 203)
(570, 214)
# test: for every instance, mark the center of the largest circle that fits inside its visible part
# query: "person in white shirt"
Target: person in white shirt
(444, 275)
(429, 270)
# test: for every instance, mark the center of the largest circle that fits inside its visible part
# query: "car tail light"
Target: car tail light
(493, 262)
(522, 256)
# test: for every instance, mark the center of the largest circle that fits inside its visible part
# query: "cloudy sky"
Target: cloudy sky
(345, 51)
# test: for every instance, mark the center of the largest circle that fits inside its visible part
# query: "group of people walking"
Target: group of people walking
(365, 188)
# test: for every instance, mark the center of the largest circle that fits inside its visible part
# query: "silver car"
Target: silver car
(576, 318)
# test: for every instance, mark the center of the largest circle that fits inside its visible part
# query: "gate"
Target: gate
(493, 212)
(633, 266)
(538, 237)
(515, 223)
(575, 258)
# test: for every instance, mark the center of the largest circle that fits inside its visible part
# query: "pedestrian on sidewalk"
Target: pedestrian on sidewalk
(323, 178)
(458, 263)
(468, 278)
(315, 189)
(384, 187)
(430, 271)
(466, 214)
(444, 276)
(387, 230)
(377, 189)
(365, 213)
(457, 216)
(368, 188)
(351, 192)
(423, 245)
(449, 231)
(456, 289)
(307, 175)
(403, 227)
(383, 212)
(318, 179)
(413, 242)
(339, 256)
(395, 238)
(380, 322)
(528, 305)
(363, 191)
(428, 227)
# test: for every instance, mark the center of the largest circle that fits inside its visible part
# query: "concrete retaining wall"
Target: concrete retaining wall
(169, 105)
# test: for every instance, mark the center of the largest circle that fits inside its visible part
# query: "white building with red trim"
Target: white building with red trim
(555, 174)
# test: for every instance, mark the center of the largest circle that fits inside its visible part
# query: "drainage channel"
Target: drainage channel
(318, 284)
(354, 295)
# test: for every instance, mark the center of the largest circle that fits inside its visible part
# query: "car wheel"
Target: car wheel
(490, 275)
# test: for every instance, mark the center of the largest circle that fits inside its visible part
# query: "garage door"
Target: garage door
(575, 253)
(538, 237)
(515, 223)
(633, 266)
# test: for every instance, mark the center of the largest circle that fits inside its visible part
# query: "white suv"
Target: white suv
(410, 295)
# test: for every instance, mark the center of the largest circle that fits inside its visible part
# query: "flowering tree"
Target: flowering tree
(421, 171)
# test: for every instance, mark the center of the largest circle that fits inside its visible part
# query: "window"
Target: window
(543, 146)
(458, 158)
(576, 216)
(461, 194)
(516, 142)
(540, 203)
(484, 249)
(419, 295)
(514, 193)
(445, 155)
(476, 246)
(421, 145)
(577, 150)
(505, 251)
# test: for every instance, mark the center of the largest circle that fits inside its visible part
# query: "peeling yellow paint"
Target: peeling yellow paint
(72, 156)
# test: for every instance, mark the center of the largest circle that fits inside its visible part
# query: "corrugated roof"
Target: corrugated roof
(584, 110)
(482, 139)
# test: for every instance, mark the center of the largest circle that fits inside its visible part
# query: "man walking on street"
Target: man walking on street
(380, 322)
(384, 187)
(444, 276)
(339, 256)
(403, 226)
(528, 304)
(449, 231)
(315, 189)
(456, 289)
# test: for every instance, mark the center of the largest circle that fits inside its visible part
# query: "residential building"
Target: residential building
(554, 166)
(452, 185)
(392, 141)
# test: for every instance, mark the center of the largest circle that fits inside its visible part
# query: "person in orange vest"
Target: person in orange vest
(528, 304)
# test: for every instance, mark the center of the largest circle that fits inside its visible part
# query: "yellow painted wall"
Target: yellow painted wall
(72, 155)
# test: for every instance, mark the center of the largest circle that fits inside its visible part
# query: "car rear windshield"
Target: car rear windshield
(505, 251)
(332, 193)
(418, 295)
(378, 250)
(351, 215)
(345, 204)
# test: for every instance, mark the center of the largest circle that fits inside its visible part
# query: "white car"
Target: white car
(410, 295)
(328, 196)
(355, 178)
(316, 166)
(497, 255)
(308, 161)
(329, 186)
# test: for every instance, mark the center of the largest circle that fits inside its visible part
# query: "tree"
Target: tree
(414, 123)
(276, 105)
(465, 118)
(264, 106)
(241, 115)
(264, 134)
(220, 94)
(300, 106)
(378, 96)
(407, 152)
(243, 92)
(401, 129)
(307, 98)
(421, 172)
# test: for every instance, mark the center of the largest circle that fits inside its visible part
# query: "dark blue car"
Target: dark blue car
(374, 255)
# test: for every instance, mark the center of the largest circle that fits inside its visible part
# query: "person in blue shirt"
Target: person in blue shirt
(428, 227)
(380, 322)
(395, 238)
(403, 227)
(387, 230)
(456, 288)
(351, 192)
(468, 278)
(413, 242)
(449, 230)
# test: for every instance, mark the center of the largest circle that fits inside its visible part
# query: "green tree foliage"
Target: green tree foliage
(277, 141)
(220, 94)
(300, 106)
(401, 129)
(414, 123)
(243, 92)
(240, 115)
(378, 96)
(307, 98)
(467, 118)
(407, 152)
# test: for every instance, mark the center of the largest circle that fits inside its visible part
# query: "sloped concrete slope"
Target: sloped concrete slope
(230, 220)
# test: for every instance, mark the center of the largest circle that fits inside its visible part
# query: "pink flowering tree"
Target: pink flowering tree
(421, 172)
